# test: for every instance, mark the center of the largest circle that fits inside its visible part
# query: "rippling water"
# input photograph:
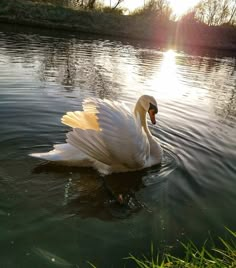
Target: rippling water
(56, 216)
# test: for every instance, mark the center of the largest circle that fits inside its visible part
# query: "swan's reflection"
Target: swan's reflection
(117, 196)
(107, 198)
(88, 194)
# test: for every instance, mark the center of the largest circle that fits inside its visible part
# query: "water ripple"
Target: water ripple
(42, 76)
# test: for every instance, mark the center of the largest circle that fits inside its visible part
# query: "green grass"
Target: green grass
(223, 257)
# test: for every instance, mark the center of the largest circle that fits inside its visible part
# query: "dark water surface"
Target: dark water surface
(53, 216)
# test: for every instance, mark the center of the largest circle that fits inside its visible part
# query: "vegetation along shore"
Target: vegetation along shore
(208, 256)
(210, 24)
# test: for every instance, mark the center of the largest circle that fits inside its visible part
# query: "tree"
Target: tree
(117, 4)
(87, 4)
(160, 8)
(232, 16)
(216, 12)
(91, 4)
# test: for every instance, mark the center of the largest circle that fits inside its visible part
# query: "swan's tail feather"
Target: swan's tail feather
(82, 120)
(45, 156)
(64, 153)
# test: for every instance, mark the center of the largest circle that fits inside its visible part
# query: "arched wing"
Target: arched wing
(119, 139)
(82, 120)
(123, 135)
(90, 143)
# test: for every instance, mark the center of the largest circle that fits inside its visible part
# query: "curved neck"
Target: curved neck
(140, 114)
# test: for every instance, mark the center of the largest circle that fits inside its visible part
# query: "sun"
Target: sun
(181, 6)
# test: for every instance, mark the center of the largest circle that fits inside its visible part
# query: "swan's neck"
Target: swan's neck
(140, 114)
(155, 148)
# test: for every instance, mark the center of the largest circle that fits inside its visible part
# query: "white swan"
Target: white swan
(106, 135)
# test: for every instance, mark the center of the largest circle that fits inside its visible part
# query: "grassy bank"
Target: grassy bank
(221, 257)
(137, 26)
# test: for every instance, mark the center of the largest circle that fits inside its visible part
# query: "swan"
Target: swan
(109, 137)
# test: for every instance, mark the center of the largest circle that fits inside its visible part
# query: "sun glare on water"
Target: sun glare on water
(167, 79)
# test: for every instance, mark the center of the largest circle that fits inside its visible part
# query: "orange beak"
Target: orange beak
(152, 116)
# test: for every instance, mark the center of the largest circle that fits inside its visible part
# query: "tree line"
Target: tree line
(210, 12)
(216, 12)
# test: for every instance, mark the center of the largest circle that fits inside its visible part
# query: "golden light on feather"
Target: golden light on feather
(82, 120)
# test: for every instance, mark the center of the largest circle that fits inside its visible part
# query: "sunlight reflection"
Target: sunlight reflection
(166, 82)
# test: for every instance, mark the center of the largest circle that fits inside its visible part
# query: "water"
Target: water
(54, 216)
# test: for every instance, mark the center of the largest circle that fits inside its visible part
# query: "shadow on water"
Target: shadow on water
(90, 194)
(110, 197)
(139, 44)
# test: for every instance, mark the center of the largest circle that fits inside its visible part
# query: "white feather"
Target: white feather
(65, 153)
(109, 137)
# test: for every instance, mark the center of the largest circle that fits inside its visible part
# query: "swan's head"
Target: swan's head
(149, 104)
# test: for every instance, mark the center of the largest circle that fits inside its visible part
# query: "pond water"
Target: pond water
(55, 216)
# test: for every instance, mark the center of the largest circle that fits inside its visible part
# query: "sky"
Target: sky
(179, 6)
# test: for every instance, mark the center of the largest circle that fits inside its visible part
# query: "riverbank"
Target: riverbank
(135, 27)
(208, 256)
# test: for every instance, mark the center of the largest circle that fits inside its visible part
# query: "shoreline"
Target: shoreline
(174, 34)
